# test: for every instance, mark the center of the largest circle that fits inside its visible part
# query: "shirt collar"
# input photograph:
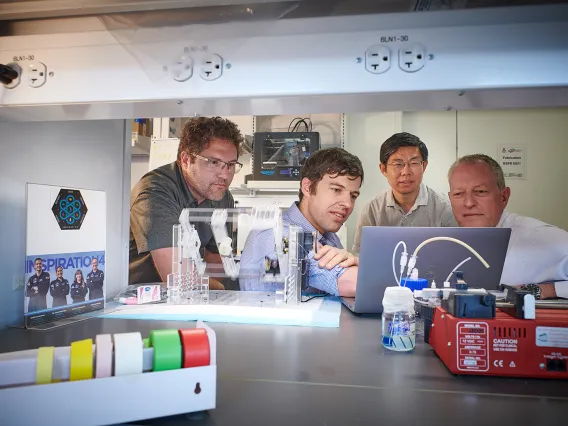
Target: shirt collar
(296, 217)
(421, 200)
(504, 216)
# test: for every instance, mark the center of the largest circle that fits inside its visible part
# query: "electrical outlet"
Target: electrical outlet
(18, 283)
(182, 68)
(377, 59)
(211, 67)
(17, 80)
(37, 74)
(412, 57)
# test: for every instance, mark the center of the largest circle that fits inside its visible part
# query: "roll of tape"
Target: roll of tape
(103, 356)
(128, 354)
(81, 362)
(167, 349)
(196, 350)
(44, 365)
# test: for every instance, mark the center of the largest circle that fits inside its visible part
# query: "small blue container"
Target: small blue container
(418, 284)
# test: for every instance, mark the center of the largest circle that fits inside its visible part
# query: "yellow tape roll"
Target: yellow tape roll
(44, 365)
(81, 360)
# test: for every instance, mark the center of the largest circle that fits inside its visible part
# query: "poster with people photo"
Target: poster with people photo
(65, 253)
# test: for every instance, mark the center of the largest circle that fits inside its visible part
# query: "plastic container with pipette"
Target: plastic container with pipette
(398, 319)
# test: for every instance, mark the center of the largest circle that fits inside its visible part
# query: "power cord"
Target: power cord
(7, 74)
(314, 297)
(299, 121)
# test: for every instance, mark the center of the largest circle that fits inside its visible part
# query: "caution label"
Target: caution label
(473, 346)
(505, 345)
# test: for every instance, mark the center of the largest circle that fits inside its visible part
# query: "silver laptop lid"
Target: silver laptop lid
(479, 252)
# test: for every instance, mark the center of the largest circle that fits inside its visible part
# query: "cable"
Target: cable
(403, 261)
(7, 74)
(457, 266)
(304, 265)
(314, 297)
(292, 122)
(297, 126)
(308, 126)
(300, 121)
(454, 240)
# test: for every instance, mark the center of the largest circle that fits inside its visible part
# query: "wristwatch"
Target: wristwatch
(532, 288)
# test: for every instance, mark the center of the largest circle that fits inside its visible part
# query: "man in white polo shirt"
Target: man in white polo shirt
(537, 258)
(408, 202)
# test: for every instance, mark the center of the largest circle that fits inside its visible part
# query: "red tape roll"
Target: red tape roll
(195, 347)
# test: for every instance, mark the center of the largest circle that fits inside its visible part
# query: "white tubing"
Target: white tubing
(393, 259)
(454, 240)
(457, 266)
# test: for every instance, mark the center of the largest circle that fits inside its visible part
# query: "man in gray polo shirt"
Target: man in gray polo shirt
(408, 202)
(206, 164)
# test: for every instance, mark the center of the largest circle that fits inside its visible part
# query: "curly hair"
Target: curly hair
(330, 161)
(198, 132)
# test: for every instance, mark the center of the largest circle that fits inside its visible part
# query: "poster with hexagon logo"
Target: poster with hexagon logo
(65, 253)
(69, 209)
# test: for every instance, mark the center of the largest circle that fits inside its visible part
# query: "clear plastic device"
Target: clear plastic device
(189, 282)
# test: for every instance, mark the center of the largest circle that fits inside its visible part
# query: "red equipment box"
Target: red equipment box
(504, 345)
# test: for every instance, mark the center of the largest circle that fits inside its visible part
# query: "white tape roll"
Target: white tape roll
(103, 357)
(128, 349)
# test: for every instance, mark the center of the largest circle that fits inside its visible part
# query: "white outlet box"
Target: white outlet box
(211, 67)
(412, 57)
(17, 80)
(182, 68)
(377, 59)
(37, 74)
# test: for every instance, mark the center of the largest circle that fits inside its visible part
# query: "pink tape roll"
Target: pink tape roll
(103, 359)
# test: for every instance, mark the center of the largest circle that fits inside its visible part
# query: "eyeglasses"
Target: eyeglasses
(399, 165)
(215, 165)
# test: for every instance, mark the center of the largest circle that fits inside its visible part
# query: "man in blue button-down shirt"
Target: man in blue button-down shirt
(330, 183)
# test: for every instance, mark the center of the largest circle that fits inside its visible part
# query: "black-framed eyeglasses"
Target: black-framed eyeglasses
(215, 165)
(399, 165)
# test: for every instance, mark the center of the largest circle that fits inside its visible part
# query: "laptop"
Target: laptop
(478, 252)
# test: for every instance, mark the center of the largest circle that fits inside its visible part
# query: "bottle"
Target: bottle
(398, 319)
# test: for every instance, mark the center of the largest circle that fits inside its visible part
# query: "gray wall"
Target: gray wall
(82, 154)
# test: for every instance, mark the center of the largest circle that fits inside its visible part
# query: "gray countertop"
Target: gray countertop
(333, 376)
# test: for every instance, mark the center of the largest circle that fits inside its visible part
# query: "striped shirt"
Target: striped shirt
(261, 245)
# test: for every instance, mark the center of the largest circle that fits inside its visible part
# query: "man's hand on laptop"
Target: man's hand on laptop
(329, 257)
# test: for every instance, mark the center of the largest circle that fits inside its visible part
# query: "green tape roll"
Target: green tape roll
(146, 342)
(167, 349)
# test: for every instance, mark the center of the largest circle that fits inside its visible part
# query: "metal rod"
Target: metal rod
(542, 304)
